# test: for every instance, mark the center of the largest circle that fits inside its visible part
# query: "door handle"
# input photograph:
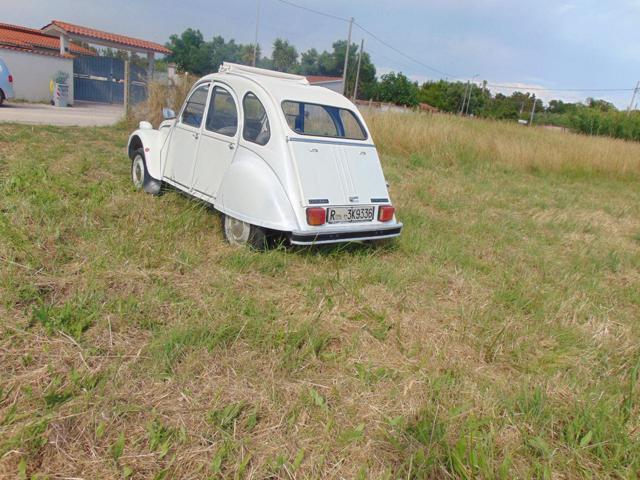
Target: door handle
(231, 146)
(196, 135)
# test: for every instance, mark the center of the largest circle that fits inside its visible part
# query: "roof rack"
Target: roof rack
(227, 67)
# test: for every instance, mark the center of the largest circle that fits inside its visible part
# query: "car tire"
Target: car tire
(1, 97)
(239, 233)
(140, 175)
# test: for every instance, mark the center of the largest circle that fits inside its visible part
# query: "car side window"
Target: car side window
(256, 123)
(222, 116)
(194, 109)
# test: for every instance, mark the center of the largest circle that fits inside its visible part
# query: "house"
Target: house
(35, 56)
(425, 107)
(332, 83)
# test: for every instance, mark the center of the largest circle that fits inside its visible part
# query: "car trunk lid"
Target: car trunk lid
(339, 173)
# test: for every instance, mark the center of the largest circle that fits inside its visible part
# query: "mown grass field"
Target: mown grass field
(497, 338)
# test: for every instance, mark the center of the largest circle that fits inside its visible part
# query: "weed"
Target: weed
(496, 338)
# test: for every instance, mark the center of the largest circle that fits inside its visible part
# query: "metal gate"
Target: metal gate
(101, 79)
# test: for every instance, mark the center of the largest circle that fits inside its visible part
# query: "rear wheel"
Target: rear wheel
(1, 97)
(240, 233)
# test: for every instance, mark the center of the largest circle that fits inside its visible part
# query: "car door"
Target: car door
(183, 144)
(218, 141)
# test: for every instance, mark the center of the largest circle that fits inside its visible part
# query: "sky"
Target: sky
(552, 44)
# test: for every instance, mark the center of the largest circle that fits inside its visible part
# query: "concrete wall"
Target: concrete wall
(335, 86)
(32, 73)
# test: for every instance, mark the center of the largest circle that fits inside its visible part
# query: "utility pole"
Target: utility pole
(633, 99)
(355, 89)
(464, 97)
(255, 41)
(469, 100)
(533, 110)
(346, 59)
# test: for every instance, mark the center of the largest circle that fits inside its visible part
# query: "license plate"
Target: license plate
(349, 214)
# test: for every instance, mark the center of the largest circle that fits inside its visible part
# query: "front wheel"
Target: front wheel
(240, 233)
(140, 176)
(138, 171)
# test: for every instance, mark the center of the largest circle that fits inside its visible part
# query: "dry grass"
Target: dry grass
(496, 339)
(449, 139)
(161, 95)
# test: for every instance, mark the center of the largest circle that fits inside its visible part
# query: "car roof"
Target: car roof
(279, 86)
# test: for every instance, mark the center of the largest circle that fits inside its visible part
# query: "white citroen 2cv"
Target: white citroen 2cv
(274, 154)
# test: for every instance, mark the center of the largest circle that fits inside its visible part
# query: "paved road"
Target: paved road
(82, 114)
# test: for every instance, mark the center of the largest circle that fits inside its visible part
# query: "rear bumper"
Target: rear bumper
(379, 232)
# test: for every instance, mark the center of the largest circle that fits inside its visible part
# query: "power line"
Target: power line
(524, 87)
(441, 72)
(368, 32)
(301, 7)
(399, 52)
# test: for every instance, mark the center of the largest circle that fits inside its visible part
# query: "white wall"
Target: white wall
(336, 86)
(33, 72)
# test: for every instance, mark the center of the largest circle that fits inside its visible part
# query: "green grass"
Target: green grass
(497, 338)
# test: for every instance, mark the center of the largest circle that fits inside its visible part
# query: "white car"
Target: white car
(275, 155)
(6, 83)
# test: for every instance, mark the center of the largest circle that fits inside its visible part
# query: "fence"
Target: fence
(102, 79)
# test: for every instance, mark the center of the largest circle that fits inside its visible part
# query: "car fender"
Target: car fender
(152, 142)
(251, 191)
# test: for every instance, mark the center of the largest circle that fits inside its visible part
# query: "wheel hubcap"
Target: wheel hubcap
(137, 172)
(236, 230)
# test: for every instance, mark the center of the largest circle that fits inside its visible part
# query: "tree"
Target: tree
(190, 52)
(332, 64)
(221, 51)
(397, 88)
(601, 105)
(309, 62)
(246, 54)
(502, 107)
(447, 96)
(284, 56)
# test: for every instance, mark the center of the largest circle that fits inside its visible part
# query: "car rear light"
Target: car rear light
(10, 78)
(385, 213)
(316, 216)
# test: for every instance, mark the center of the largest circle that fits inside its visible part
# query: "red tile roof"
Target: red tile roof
(109, 37)
(322, 79)
(28, 38)
(47, 53)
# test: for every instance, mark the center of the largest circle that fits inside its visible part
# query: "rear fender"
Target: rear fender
(251, 192)
(151, 141)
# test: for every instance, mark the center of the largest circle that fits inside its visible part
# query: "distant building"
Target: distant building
(332, 83)
(425, 107)
(35, 56)
(15, 37)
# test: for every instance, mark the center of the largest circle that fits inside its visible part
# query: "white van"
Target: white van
(6, 82)
(274, 154)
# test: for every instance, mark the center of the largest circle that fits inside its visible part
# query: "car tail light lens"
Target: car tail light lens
(316, 216)
(385, 213)
(10, 78)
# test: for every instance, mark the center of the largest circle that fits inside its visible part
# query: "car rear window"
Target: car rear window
(323, 120)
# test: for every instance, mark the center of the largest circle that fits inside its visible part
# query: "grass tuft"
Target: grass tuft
(496, 338)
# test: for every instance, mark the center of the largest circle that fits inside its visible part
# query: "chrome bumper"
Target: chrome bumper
(345, 234)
